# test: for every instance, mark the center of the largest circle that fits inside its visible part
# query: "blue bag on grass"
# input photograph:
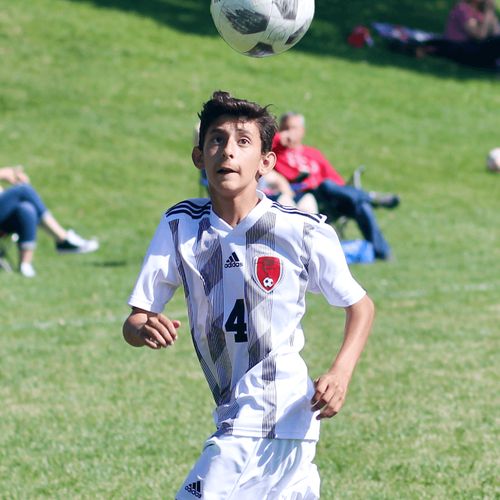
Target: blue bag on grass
(358, 251)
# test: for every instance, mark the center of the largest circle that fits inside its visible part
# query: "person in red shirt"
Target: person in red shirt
(309, 171)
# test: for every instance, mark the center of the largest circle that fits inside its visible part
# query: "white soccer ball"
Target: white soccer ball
(493, 160)
(260, 28)
(268, 282)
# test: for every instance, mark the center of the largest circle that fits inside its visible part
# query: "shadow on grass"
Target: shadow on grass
(109, 263)
(334, 19)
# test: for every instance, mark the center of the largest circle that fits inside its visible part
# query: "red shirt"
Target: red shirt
(291, 162)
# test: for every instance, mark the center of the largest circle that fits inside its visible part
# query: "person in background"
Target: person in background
(472, 20)
(472, 36)
(22, 210)
(308, 171)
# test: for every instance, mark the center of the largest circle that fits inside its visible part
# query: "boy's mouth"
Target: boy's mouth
(225, 170)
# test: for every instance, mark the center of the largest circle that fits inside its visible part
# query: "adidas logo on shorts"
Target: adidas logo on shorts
(194, 489)
(233, 261)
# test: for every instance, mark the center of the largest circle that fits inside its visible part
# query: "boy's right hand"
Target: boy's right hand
(159, 331)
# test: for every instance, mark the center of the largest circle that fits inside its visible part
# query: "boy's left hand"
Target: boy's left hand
(331, 390)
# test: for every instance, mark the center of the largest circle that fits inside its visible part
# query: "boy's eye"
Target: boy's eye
(244, 140)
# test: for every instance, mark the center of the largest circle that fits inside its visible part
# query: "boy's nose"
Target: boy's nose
(228, 150)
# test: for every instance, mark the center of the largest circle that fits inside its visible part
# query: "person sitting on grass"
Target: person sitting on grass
(308, 171)
(245, 263)
(472, 36)
(472, 20)
(22, 210)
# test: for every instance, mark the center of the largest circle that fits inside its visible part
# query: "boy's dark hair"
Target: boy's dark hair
(222, 103)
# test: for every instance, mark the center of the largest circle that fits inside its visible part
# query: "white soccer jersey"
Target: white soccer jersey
(245, 291)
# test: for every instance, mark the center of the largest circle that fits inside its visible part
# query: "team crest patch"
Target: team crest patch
(268, 271)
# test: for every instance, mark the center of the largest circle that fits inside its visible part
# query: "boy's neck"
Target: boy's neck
(233, 210)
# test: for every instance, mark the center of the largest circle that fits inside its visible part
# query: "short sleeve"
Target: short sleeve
(329, 273)
(159, 276)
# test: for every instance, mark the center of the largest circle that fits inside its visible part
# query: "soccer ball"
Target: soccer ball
(268, 282)
(260, 28)
(493, 160)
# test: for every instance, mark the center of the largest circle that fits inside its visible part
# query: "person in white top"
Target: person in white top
(245, 264)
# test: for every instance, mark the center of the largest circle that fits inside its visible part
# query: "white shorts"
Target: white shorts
(245, 468)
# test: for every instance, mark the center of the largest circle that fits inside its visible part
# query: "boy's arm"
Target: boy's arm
(145, 328)
(331, 388)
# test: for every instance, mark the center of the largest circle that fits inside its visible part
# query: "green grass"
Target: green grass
(98, 99)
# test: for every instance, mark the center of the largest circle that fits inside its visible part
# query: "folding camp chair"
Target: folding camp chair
(338, 220)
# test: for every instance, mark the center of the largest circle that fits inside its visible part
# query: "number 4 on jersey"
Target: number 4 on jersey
(236, 322)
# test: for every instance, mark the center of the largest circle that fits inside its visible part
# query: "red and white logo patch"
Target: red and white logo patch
(268, 271)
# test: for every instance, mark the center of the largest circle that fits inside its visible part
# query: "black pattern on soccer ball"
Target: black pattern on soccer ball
(261, 50)
(246, 21)
(288, 8)
(297, 35)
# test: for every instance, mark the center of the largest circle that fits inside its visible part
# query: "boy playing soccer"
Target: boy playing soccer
(245, 264)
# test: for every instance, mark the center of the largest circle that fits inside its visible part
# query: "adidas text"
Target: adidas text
(233, 264)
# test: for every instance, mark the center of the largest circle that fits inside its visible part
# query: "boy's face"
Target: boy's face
(232, 156)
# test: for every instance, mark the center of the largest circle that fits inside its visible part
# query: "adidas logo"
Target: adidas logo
(194, 489)
(233, 261)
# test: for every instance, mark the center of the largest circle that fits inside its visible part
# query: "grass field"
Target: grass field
(98, 100)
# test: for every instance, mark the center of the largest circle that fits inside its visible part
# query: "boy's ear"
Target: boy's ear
(267, 163)
(197, 157)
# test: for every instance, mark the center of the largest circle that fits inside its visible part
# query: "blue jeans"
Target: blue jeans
(356, 204)
(21, 210)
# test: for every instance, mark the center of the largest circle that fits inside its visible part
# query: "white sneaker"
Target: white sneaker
(27, 270)
(74, 243)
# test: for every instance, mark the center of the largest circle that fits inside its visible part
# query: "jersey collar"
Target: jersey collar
(253, 216)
